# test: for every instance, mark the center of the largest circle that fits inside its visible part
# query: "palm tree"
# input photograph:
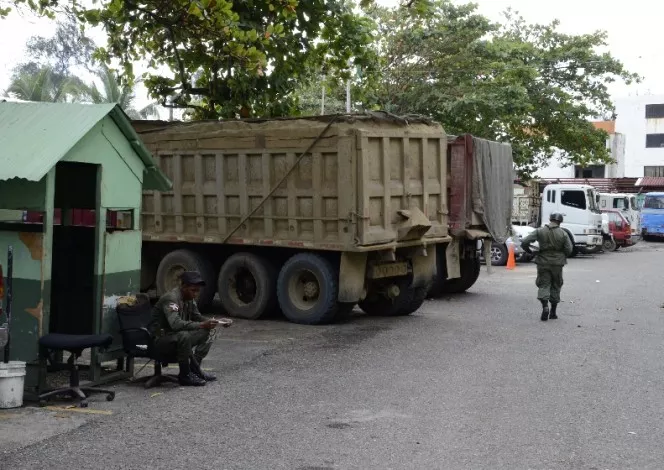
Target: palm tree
(45, 85)
(112, 92)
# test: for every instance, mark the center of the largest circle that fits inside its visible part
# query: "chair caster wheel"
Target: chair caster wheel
(110, 397)
(83, 404)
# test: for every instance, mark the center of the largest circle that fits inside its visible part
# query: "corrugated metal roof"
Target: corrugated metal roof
(651, 182)
(36, 136)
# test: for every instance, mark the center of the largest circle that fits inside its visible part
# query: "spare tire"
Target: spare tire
(175, 263)
(247, 286)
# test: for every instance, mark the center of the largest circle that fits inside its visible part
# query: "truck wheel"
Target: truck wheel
(590, 251)
(247, 286)
(308, 288)
(406, 302)
(470, 273)
(609, 245)
(175, 263)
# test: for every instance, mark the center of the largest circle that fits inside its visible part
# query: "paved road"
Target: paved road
(475, 381)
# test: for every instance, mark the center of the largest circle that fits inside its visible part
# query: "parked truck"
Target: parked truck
(627, 204)
(316, 215)
(308, 215)
(577, 203)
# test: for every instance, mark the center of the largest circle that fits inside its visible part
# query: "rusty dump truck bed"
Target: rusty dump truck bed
(350, 183)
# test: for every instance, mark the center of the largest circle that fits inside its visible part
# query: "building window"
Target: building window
(592, 171)
(575, 199)
(653, 171)
(654, 111)
(654, 141)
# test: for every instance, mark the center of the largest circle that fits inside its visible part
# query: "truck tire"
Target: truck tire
(610, 245)
(247, 286)
(307, 290)
(470, 273)
(409, 300)
(178, 261)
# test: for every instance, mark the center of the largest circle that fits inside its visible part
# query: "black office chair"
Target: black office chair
(138, 342)
(75, 345)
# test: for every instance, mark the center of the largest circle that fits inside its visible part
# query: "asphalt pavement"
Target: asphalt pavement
(474, 381)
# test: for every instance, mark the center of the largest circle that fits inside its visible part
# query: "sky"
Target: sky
(632, 28)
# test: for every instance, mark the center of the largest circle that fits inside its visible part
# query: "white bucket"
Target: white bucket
(12, 382)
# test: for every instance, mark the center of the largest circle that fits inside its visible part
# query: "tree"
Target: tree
(529, 85)
(112, 91)
(248, 55)
(41, 7)
(55, 64)
(44, 85)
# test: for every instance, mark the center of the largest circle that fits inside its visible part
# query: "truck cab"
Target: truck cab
(652, 216)
(626, 204)
(582, 218)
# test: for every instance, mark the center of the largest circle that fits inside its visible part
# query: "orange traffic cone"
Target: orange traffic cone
(511, 259)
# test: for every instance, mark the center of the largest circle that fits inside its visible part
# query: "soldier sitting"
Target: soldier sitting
(181, 330)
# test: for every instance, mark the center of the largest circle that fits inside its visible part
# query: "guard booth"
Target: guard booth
(78, 171)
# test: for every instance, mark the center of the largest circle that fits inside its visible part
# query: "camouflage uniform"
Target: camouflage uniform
(554, 248)
(180, 321)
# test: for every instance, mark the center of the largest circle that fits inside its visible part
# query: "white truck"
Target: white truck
(626, 204)
(582, 217)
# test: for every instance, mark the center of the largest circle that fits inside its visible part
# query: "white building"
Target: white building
(616, 146)
(641, 118)
(636, 141)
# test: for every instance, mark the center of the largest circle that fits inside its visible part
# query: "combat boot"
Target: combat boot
(197, 371)
(545, 310)
(554, 306)
(186, 377)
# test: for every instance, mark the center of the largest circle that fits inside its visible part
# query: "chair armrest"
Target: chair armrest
(137, 341)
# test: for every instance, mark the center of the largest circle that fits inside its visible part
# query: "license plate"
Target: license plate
(389, 270)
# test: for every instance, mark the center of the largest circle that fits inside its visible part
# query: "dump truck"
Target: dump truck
(311, 216)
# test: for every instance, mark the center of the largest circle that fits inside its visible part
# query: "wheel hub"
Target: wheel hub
(310, 289)
(243, 285)
(304, 289)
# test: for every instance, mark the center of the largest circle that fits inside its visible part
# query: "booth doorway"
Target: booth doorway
(74, 248)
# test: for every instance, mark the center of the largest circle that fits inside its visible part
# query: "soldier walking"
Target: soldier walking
(554, 248)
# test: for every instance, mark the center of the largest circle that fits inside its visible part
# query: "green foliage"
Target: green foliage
(529, 85)
(41, 7)
(227, 59)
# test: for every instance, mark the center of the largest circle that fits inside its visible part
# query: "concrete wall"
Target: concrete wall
(555, 169)
(616, 146)
(632, 122)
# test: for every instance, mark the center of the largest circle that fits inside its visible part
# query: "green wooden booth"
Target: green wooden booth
(81, 170)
